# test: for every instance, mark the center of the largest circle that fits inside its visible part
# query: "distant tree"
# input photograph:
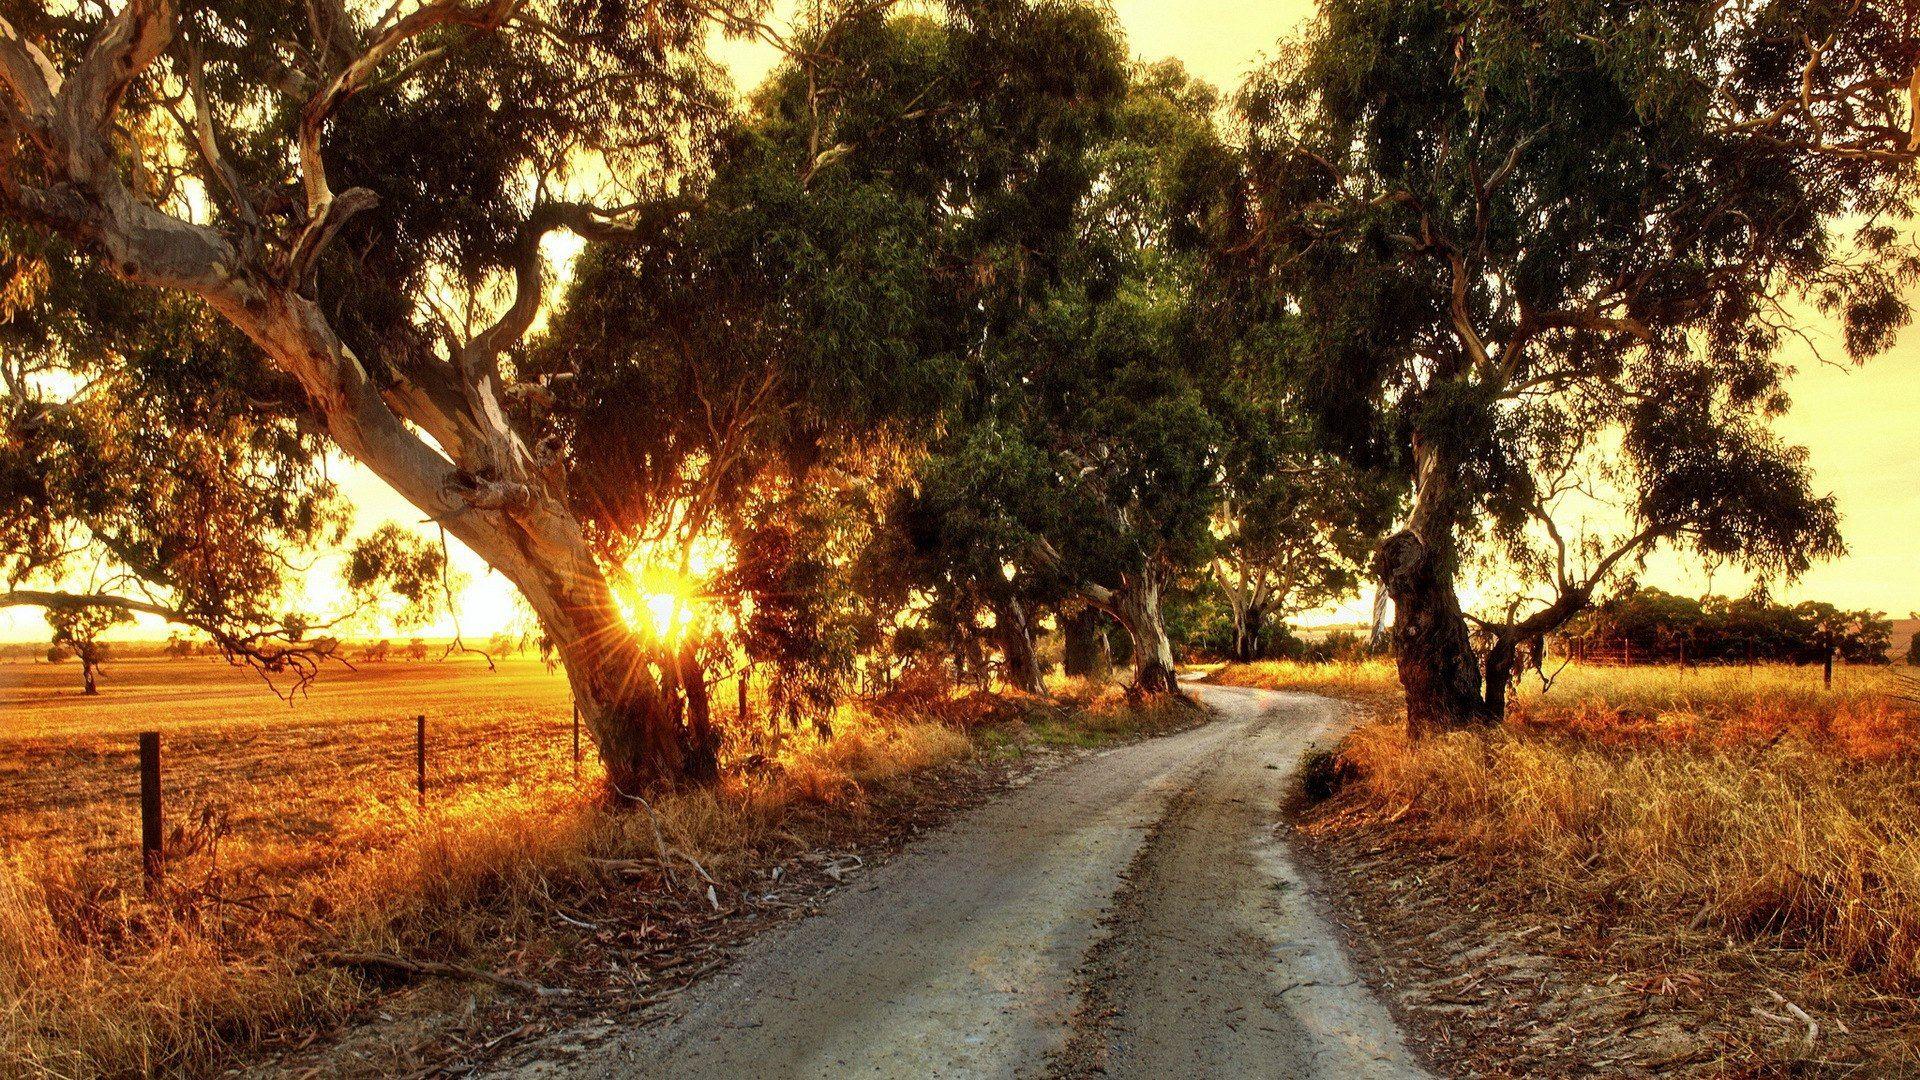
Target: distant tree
(416, 649)
(1656, 625)
(504, 644)
(76, 631)
(378, 652)
(1293, 532)
(1531, 261)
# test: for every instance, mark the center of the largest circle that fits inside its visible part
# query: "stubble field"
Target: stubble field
(264, 770)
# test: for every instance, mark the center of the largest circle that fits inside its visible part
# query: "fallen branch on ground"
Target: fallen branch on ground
(433, 967)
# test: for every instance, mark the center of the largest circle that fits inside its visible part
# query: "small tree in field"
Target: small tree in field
(1538, 257)
(77, 630)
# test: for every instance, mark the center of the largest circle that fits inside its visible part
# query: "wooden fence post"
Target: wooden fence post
(1829, 671)
(420, 758)
(576, 740)
(152, 852)
(743, 698)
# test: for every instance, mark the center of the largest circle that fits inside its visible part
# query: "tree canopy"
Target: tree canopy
(962, 325)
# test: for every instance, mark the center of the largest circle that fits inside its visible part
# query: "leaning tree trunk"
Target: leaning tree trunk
(487, 489)
(433, 427)
(1137, 605)
(629, 696)
(1015, 634)
(1438, 668)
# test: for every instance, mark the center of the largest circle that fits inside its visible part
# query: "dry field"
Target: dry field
(1743, 831)
(295, 837)
(271, 771)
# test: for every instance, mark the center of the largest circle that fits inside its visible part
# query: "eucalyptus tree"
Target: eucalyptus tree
(981, 503)
(1538, 267)
(77, 629)
(1083, 464)
(363, 191)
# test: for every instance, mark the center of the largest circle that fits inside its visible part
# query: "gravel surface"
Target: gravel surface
(1135, 913)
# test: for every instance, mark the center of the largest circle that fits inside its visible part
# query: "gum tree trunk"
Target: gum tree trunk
(629, 697)
(1136, 603)
(1438, 668)
(1014, 633)
(1086, 652)
(1247, 591)
(1247, 626)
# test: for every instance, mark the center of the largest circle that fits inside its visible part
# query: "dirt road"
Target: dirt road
(1132, 914)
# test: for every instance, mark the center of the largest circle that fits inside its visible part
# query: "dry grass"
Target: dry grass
(1367, 680)
(1750, 804)
(300, 837)
(1865, 716)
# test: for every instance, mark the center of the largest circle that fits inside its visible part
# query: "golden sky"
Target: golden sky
(1858, 423)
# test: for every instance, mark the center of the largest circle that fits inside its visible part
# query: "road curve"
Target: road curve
(1132, 914)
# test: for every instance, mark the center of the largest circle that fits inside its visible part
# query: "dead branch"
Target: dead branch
(391, 962)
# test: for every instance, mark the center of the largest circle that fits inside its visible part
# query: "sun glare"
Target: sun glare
(665, 602)
(668, 613)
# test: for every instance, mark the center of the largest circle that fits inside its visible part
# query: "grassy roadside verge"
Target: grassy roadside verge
(1724, 864)
(525, 879)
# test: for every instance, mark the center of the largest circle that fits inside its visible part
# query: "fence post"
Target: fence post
(743, 698)
(152, 852)
(420, 758)
(576, 740)
(1829, 671)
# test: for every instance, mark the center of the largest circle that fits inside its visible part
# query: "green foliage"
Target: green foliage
(1091, 441)
(827, 276)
